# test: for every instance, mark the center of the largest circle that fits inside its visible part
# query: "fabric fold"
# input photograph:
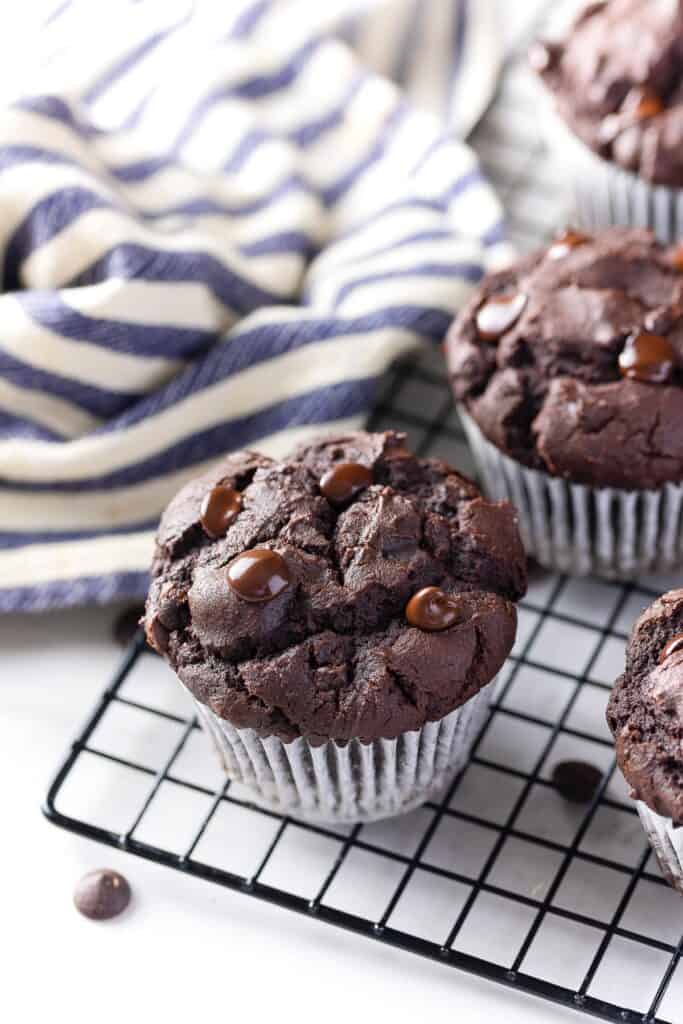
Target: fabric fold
(218, 228)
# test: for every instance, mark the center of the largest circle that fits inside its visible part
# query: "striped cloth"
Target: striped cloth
(220, 222)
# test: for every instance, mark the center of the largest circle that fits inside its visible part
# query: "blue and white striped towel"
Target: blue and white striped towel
(219, 224)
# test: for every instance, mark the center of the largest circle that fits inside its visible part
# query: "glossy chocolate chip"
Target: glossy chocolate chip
(499, 314)
(220, 508)
(565, 242)
(648, 357)
(672, 647)
(577, 781)
(344, 481)
(258, 575)
(102, 894)
(432, 610)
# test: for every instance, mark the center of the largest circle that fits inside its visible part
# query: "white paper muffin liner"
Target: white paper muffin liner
(582, 530)
(667, 843)
(606, 195)
(353, 783)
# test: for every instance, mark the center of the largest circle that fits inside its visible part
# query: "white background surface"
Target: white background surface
(185, 949)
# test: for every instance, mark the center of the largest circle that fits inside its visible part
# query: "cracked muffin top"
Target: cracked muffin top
(350, 591)
(645, 711)
(617, 80)
(571, 362)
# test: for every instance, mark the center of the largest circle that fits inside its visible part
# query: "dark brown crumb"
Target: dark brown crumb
(550, 392)
(331, 655)
(645, 711)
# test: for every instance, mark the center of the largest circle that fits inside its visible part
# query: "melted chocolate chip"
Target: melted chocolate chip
(220, 508)
(565, 242)
(672, 647)
(258, 575)
(343, 482)
(499, 314)
(648, 357)
(577, 781)
(102, 894)
(433, 610)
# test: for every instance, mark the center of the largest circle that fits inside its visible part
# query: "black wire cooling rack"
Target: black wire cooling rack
(502, 877)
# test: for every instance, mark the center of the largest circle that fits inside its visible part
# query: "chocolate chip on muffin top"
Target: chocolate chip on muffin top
(586, 380)
(645, 711)
(358, 591)
(617, 79)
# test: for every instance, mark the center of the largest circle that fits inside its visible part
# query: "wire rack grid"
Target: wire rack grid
(501, 877)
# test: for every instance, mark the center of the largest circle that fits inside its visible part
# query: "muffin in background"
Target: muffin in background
(568, 371)
(338, 618)
(616, 80)
(645, 715)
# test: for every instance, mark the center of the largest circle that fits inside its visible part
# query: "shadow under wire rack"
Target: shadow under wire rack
(502, 877)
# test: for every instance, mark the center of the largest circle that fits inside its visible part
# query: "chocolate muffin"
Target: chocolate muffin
(617, 83)
(569, 371)
(645, 714)
(337, 617)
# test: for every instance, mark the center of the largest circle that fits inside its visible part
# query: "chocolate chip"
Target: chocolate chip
(676, 256)
(672, 647)
(258, 575)
(565, 242)
(127, 623)
(499, 314)
(343, 482)
(648, 357)
(577, 781)
(220, 508)
(433, 610)
(102, 894)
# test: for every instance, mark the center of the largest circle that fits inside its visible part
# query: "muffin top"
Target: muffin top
(645, 711)
(618, 81)
(352, 590)
(571, 361)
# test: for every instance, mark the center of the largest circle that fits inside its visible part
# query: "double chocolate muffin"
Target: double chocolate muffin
(645, 715)
(617, 83)
(336, 617)
(569, 370)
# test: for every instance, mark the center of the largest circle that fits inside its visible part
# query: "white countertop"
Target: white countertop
(184, 945)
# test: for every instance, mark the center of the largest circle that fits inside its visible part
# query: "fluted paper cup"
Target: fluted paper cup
(582, 530)
(606, 195)
(667, 843)
(356, 782)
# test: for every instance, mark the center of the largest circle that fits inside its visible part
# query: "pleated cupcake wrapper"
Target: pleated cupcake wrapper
(606, 195)
(584, 530)
(667, 843)
(353, 783)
